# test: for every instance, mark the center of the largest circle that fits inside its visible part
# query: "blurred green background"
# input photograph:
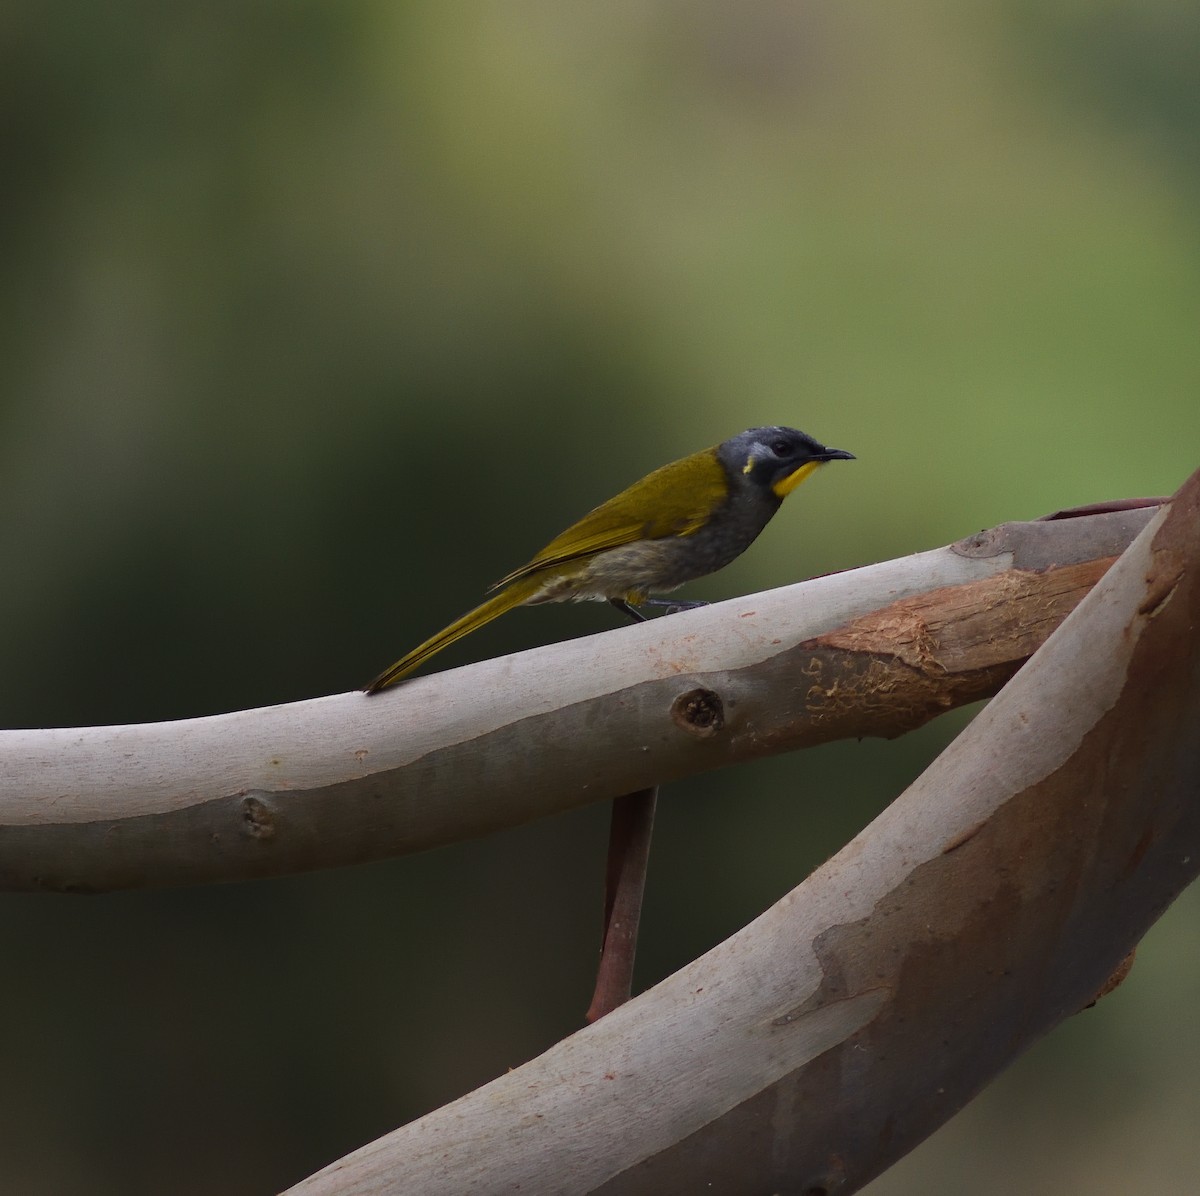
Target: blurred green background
(319, 316)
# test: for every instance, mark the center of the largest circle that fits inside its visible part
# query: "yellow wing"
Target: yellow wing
(676, 500)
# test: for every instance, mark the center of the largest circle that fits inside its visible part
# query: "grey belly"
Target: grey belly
(649, 566)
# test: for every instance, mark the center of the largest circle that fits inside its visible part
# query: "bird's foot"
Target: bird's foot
(673, 606)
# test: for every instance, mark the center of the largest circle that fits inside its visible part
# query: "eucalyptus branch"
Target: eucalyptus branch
(349, 778)
(816, 1046)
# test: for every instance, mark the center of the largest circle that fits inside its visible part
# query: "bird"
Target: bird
(683, 521)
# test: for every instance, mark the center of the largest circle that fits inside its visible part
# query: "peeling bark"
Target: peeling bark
(350, 778)
(815, 1047)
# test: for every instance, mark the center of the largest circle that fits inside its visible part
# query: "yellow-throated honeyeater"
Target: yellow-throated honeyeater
(678, 523)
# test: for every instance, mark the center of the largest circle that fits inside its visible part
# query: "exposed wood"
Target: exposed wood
(819, 1044)
(344, 779)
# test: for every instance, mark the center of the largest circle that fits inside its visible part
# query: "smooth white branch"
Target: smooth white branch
(350, 778)
(819, 1044)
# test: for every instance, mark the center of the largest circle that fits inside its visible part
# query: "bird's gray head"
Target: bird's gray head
(775, 460)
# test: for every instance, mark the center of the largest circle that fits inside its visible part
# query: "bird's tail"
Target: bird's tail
(513, 595)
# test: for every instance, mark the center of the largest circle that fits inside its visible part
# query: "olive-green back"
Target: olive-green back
(676, 500)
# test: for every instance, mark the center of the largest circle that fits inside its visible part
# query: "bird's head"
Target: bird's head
(775, 460)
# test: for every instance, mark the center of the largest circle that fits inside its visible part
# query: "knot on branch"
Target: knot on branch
(258, 821)
(699, 712)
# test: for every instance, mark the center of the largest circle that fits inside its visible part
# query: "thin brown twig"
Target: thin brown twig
(625, 883)
(1104, 508)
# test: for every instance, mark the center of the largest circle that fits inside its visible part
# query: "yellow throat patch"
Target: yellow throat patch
(785, 486)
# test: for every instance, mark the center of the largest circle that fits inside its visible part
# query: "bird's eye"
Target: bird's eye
(781, 448)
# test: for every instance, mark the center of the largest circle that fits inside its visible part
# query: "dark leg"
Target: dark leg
(672, 605)
(626, 609)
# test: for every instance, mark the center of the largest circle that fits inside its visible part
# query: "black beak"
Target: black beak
(835, 455)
